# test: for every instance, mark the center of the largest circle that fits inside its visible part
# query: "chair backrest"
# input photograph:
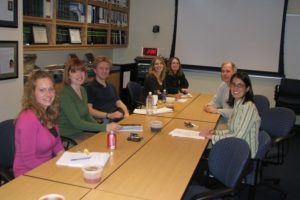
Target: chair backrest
(228, 160)
(264, 144)
(278, 121)
(262, 103)
(7, 143)
(135, 91)
(289, 87)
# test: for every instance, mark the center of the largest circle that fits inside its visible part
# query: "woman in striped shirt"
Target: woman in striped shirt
(244, 122)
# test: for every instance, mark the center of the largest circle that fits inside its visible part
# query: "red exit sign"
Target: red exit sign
(146, 51)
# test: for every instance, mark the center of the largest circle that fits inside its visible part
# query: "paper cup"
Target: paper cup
(92, 173)
(155, 99)
(52, 197)
(155, 126)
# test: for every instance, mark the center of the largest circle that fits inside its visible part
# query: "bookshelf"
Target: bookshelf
(75, 24)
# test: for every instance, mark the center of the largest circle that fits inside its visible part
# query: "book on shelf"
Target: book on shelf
(48, 9)
(77, 11)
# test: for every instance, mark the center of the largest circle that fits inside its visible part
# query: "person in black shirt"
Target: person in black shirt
(176, 82)
(103, 100)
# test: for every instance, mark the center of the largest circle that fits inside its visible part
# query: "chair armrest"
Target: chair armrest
(68, 142)
(213, 194)
(5, 176)
(276, 92)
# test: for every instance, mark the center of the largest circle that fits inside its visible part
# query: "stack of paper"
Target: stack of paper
(75, 159)
(156, 111)
(131, 128)
(186, 133)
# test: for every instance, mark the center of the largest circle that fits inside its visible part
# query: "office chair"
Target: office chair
(253, 178)
(262, 103)
(287, 94)
(227, 162)
(7, 150)
(278, 122)
(135, 91)
(67, 142)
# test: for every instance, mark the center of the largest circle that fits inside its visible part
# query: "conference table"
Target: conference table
(158, 167)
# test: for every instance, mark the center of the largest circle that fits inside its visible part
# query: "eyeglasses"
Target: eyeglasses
(238, 86)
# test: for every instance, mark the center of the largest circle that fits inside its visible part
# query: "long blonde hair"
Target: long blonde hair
(48, 116)
(152, 70)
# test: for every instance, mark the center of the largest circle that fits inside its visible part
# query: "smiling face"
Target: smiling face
(238, 88)
(77, 77)
(102, 70)
(158, 66)
(175, 65)
(226, 72)
(44, 92)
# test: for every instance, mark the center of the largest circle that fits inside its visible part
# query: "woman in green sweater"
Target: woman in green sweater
(74, 119)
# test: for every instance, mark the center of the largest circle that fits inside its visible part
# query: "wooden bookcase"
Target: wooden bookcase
(94, 24)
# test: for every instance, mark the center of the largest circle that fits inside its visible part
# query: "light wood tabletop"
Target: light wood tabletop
(162, 168)
(102, 195)
(25, 187)
(195, 110)
(125, 149)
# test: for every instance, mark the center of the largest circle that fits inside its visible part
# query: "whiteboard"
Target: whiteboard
(292, 46)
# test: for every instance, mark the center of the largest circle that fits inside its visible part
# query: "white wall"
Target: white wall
(143, 15)
(11, 90)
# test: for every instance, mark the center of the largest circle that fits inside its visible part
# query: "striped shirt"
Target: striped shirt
(244, 123)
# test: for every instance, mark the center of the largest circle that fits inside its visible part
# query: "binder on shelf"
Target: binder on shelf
(48, 6)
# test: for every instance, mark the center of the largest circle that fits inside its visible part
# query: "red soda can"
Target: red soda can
(111, 140)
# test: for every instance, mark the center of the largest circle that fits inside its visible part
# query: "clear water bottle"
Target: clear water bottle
(149, 104)
(164, 96)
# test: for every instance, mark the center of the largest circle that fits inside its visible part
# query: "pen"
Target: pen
(83, 158)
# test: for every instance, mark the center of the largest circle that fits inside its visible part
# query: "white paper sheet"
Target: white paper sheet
(157, 111)
(75, 159)
(186, 133)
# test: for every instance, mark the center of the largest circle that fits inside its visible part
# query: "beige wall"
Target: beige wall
(144, 14)
(11, 90)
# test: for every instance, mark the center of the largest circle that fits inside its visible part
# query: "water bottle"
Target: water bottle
(164, 96)
(111, 140)
(149, 104)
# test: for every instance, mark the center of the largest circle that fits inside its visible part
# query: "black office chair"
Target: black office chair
(7, 150)
(227, 162)
(135, 91)
(278, 122)
(262, 103)
(254, 177)
(287, 94)
(68, 142)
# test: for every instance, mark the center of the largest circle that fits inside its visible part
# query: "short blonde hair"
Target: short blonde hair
(102, 59)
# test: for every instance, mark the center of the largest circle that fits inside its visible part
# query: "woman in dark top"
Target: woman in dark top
(155, 80)
(175, 78)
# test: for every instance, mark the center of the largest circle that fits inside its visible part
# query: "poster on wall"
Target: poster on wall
(9, 13)
(8, 59)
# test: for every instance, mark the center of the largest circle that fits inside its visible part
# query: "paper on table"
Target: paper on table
(131, 128)
(75, 159)
(182, 100)
(186, 133)
(157, 111)
(188, 95)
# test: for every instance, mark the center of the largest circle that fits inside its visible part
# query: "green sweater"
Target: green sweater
(74, 117)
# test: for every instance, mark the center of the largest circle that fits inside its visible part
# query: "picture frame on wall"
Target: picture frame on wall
(8, 59)
(75, 37)
(9, 13)
(39, 34)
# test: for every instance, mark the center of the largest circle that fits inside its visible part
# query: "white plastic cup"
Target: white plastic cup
(155, 99)
(155, 126)
(92, 173)
(52, 197)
